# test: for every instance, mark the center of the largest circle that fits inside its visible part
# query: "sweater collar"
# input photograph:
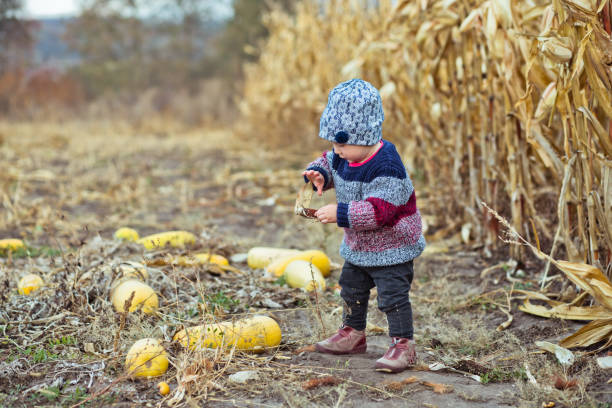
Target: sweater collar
(361, 163)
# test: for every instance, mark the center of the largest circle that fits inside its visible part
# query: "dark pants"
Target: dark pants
(393, 283)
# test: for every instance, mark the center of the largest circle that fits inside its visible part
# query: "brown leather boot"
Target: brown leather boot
(346, 341)
(400, 356)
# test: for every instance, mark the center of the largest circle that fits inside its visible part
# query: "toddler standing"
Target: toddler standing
(376, 206)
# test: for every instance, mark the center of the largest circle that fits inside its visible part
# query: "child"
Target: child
(376, 205)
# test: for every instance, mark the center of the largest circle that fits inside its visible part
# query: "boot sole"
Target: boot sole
(359, 350)
(389, 370)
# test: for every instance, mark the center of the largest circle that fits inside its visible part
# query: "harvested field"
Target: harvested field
(67, 188)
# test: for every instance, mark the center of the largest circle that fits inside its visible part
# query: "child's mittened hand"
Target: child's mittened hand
(317, 179)
(327, 213)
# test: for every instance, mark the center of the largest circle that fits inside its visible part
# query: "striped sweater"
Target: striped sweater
(376, 207)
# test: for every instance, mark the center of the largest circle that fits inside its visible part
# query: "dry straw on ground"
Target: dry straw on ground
(496, 101)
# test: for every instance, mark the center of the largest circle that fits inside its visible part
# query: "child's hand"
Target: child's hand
(317, 179)
(327, 213)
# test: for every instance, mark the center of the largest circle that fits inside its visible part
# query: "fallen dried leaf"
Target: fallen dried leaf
(317, 382)
(563, 384)
(564, 356)
(398, 385)
(306, 349)
(438, 388)
(395, 386)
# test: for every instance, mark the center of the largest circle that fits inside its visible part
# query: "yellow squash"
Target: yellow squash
(314, 256)
(29, 283)
(130, 269)
(163, 388)
(127, 234)
(251, 334)
(203, 258)
(10, 244)
(145, 298)
(300, 274)
(176, 239)
(146, 358)
(260, 257)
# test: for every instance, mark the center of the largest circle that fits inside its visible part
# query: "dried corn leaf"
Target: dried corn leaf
(565, 311)
(590, 279)
(564, 356)
(303, 201)
(591, 333)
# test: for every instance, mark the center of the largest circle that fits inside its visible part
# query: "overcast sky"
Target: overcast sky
(47, 8)
(51, 8)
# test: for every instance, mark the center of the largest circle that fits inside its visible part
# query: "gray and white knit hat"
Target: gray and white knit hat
(353, 114)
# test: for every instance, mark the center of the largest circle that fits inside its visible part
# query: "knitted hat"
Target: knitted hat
(353, 114)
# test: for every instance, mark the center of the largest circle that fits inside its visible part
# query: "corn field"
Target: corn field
(497, 102)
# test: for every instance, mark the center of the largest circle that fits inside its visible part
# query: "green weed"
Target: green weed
(523, 286)
(51, 393)
(499, 374)
(220, 301)
(75, 397)
(32, 252)
(38, 355)
(64, 341)
(41, 355)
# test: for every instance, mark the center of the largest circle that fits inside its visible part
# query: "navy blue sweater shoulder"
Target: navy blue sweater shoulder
(386, 163)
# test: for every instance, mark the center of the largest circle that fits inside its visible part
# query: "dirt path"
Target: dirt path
(64, 190)
(461, 391)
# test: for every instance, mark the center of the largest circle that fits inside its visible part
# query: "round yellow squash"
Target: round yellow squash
(29, 283)
(145, 298)
(300, 274)
(127, 234)
(130, 269)
(251, 334)
(163, 388)
(314, 256)
(146, 358)
(260, 257)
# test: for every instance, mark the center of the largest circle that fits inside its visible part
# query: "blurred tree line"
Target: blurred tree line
(15, 34)
(135, 44)
(128, 47)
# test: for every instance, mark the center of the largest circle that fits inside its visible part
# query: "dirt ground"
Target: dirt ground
(65, 190)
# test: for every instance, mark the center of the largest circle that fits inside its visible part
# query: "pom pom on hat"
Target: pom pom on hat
(341, 137)
(353, 113)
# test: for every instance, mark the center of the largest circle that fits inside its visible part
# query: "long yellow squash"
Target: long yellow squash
(10, 244)
(304, 275)
(251, 334)
(314, 256)
(176, 239)
(201, 258)
(260, 257)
